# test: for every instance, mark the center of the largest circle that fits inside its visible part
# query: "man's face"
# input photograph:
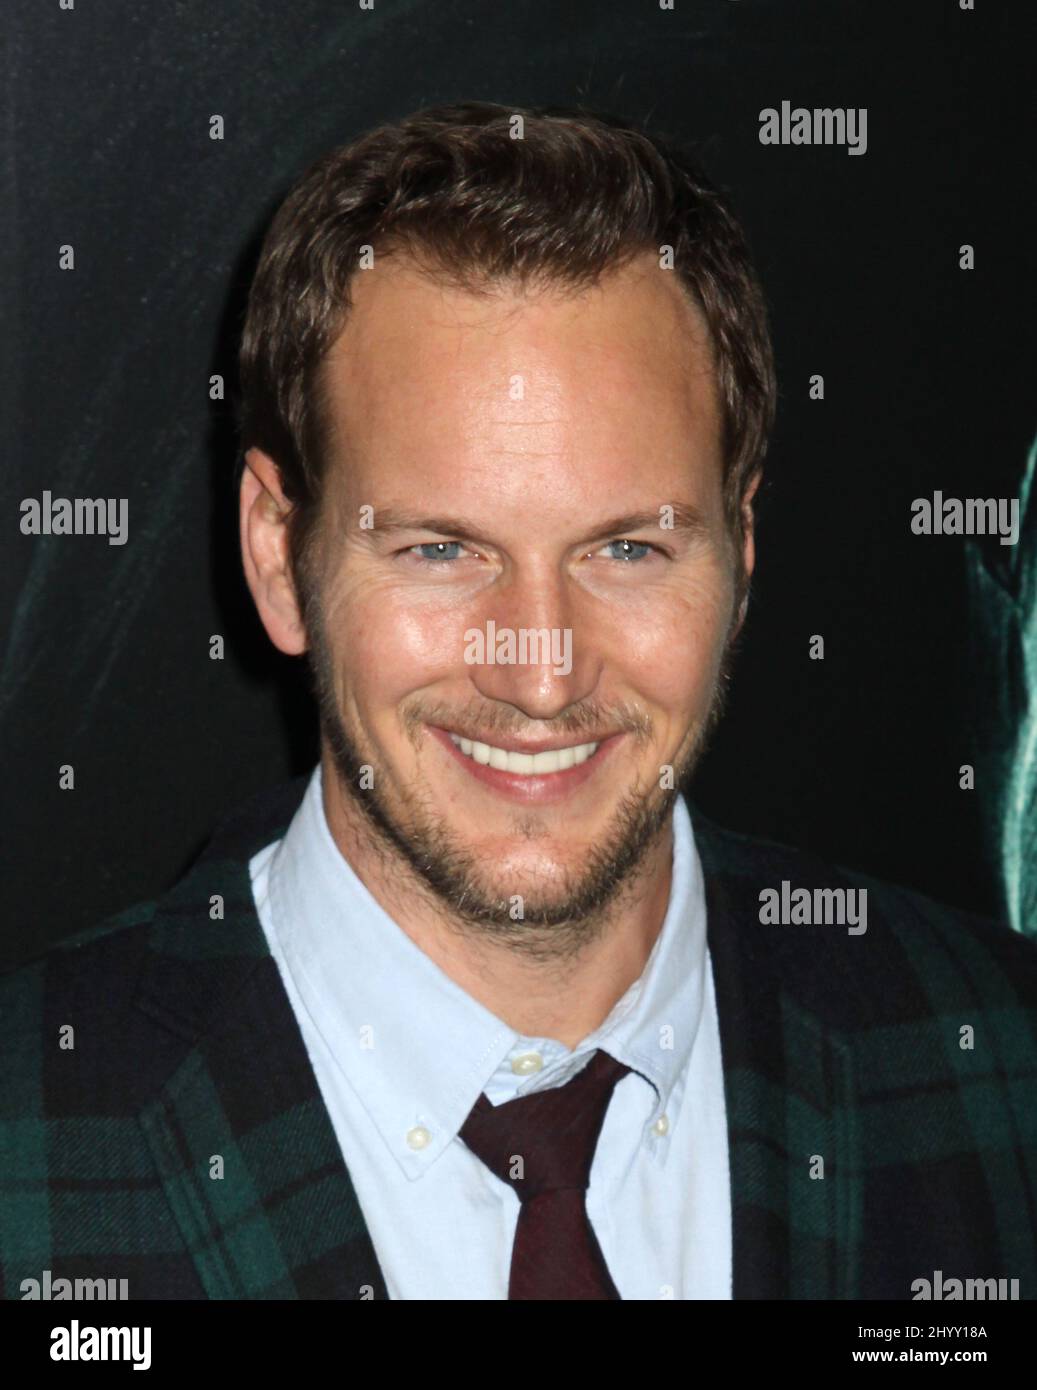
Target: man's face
(509, 463)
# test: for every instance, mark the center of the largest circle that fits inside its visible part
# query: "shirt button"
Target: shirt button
(418, 1137)
(661, 1126)
(527, 1063)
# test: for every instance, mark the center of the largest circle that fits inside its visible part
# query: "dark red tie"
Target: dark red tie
(543, 1146)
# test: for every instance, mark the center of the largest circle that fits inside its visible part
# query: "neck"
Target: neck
(564, 999)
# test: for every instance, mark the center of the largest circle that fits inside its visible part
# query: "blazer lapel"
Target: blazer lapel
(788, 1083)
(239, 1131)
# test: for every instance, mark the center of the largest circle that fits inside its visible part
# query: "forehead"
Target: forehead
(619, 371)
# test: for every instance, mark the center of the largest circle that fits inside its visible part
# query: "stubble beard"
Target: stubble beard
(450, 875)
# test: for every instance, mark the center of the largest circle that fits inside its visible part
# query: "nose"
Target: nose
(536, 654)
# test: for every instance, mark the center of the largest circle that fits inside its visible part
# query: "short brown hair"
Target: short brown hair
(580, 193)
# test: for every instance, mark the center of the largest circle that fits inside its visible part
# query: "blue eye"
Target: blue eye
(439, 547)
(631, 546)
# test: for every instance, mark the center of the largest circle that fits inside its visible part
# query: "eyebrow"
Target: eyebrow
(687, 519)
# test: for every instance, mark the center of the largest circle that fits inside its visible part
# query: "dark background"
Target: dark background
(104, 392)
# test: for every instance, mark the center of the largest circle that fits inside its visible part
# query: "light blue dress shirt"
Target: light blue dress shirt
(401, 1053)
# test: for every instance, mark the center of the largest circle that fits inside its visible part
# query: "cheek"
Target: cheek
(386, 640)
(672, 649)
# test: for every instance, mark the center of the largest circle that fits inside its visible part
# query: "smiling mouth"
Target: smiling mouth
(524, 764)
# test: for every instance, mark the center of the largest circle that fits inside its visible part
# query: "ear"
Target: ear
(748, 544)
(264, 512)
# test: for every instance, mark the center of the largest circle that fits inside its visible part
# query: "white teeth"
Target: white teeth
(525, 764)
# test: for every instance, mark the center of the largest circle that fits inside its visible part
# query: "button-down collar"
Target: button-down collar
(418, 1049)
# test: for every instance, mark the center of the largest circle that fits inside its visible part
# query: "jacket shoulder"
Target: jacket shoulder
(912, 946)
(78, 981)
(183, 941)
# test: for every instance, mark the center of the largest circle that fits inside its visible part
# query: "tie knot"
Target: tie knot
(545, 1141)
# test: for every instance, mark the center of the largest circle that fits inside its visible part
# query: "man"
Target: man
(488, 1010)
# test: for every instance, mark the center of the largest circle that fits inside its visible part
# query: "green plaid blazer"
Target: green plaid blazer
(847, 1048)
